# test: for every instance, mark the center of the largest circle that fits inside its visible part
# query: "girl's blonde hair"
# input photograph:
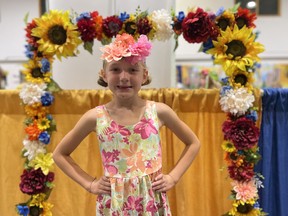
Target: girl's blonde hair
(101, 81)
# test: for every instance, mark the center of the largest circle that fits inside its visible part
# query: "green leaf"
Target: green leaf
(53, 86)
(26, 18)
(88, 45)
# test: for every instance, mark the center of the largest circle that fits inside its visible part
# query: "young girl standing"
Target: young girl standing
(128, 133)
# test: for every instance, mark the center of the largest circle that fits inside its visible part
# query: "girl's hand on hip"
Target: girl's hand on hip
(163, 183)
(101, 186)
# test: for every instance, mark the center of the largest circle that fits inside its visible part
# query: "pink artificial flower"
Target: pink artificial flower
(245, 190)
(125, 46)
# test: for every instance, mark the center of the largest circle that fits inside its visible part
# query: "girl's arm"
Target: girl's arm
(69, 143)
(170, 119)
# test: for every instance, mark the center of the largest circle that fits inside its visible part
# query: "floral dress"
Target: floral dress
(132, 158)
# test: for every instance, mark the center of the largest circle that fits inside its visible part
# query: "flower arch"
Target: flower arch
(227, 35)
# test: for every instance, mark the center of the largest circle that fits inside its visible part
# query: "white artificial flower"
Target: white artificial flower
(237, 101)
(31, 92)
(163, 22)
(33, 148)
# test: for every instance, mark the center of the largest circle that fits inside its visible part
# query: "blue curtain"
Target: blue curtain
(273, 146)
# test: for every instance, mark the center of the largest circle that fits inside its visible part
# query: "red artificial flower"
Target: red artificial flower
(143, 26)
(245, 172)
(34, 181)
(87, 29)
(29, 38)
(177, 26)
(198, 27)
(111, 26)
(242, 132)
(244, 17)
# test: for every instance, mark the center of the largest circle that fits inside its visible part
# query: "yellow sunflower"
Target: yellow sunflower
(130, 26)
(244, 209)
(228, 146)
(57, 34)
(33, 72)
(236, 49)
(241, 78)
(43, 123)
(227, 19)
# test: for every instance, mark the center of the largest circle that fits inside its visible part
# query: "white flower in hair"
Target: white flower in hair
(237, 101)
(31, 93)
(33, 148)
(162, 20)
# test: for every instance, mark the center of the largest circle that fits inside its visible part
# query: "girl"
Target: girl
(128, 133)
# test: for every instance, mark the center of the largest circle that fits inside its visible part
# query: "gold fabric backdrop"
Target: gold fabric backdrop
(202, 191)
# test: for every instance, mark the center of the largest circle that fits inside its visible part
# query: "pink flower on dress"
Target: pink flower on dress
(145, 127)
(115, 128)
(151, 207)
(110, 157)
(133, 203)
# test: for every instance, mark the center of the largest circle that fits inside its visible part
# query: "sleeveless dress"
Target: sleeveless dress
(131, 158)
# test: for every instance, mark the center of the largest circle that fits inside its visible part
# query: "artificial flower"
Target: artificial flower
(31, 93)
(162, 24)
(245, 191)
(37, 200)
(57, 35)
(144, 26)
(22, 209)
(244, 172)
(244, 17)
(242, 132)
(226, 19)
(125, 46)
(36, 110)
(177, 23)
(236, 49)
(43, 161)
(35, 73)
(43, 123)
(228, 146)
(236, 101)
(44, 137)
(33, 131)
(31, 40)
(47, 99)
(129, 25)
(34, 181)
(47, 209)
(244, 209)
(198, 27)
(241, 78)
(32, 148)
(111, 26)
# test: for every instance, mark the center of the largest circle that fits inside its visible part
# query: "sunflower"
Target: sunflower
(241, 78)
(236, 49)
(34, 74)
(244, 17)
(244, 209)
(226, 19)
(57, 34)
(228, 146)
(129, 26)
(43, 123)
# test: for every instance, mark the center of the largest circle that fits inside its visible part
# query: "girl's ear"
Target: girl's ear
(145, 75)
(102, 74)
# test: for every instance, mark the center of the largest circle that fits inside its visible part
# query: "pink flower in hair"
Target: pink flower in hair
(140, 50)
(125, 46)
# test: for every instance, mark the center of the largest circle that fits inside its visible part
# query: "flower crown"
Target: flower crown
(125, 46)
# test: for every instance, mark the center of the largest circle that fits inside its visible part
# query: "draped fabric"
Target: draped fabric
(202, 191)
(273, 144)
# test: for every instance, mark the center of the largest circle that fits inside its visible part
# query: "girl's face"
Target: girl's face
(123, 78)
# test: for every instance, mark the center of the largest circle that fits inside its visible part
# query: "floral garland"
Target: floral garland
(226, 35)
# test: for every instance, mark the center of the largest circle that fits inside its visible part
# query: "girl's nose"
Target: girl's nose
(124, 75)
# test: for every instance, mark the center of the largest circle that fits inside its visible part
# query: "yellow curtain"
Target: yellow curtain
(203, 190)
